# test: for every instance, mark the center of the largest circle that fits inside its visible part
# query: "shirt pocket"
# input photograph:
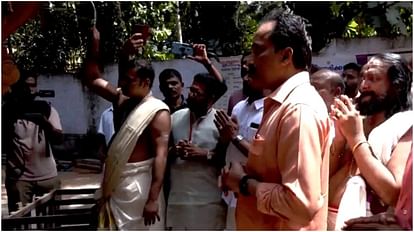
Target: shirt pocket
(257, 145)
(251, 132)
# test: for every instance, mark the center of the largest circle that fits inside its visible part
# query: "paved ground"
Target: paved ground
(75, 179)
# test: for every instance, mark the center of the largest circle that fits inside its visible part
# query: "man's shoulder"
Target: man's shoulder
(180, 113)
(239, 107)
(306, 96)
(153, 101)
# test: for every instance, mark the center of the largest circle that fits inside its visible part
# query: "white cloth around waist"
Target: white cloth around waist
(129, 199)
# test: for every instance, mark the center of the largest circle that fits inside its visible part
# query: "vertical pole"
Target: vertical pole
(179, 32)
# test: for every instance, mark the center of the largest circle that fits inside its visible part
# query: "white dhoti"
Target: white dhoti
(128, 200)
(353, 202)
(194, 202)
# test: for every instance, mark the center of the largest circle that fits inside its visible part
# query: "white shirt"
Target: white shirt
(246, 114)
(106, 124)
(385, 136)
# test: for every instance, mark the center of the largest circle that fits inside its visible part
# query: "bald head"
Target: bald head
(329, 84)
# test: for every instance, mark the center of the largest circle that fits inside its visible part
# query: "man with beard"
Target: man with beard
(238, 130)
(194, 201)
(385, 101)
(239, 94)
(171, 86)
(352, 79)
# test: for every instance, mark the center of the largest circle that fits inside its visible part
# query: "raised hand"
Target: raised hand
(94, 43)
(133, 44)
(200, 54)
(347, 119)
(227, 127)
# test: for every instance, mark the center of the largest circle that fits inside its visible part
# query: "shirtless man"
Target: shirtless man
(130, 210)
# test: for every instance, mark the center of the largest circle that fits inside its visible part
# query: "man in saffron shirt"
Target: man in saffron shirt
(284, 184)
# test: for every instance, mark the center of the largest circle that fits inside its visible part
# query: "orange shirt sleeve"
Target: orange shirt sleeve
(299, 156)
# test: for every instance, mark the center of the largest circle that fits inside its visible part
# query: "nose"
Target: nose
(365, 85)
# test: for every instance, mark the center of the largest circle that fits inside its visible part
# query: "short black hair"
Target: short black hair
(143, 69)
(290, 31)
(168, 73)
(401, 80)
(24, 74)
(353, 66)
(214, 87)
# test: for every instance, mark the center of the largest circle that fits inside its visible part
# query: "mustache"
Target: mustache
(250, 70)
(371, 94)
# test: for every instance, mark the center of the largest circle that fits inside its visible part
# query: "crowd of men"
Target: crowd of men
(296, 150)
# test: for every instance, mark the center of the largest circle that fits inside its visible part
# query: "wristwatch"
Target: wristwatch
(237, 139)
(243, 186)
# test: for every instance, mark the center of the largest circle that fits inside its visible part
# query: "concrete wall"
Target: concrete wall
(343, 51)
(80, 110)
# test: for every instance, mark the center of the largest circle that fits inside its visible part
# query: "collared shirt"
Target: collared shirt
(106, 124)
(182, 106)
(290, 158)
(235, 98)
(246, 115)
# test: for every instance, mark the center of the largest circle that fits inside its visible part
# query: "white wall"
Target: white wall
(79, 109)
(343, 51)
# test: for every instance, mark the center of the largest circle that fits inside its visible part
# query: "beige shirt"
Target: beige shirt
(30, 145)
(290, 157)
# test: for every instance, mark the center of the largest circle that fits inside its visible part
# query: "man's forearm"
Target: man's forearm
(276, 199)
(157, 177)
(243, 146)
(213, 70)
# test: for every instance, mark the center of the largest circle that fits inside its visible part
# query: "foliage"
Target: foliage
(55, 41)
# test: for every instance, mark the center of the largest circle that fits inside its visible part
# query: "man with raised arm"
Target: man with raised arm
(135, 165)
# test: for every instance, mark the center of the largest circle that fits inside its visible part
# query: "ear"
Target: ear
(146, 82)
(337, 91)
(287, 55)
